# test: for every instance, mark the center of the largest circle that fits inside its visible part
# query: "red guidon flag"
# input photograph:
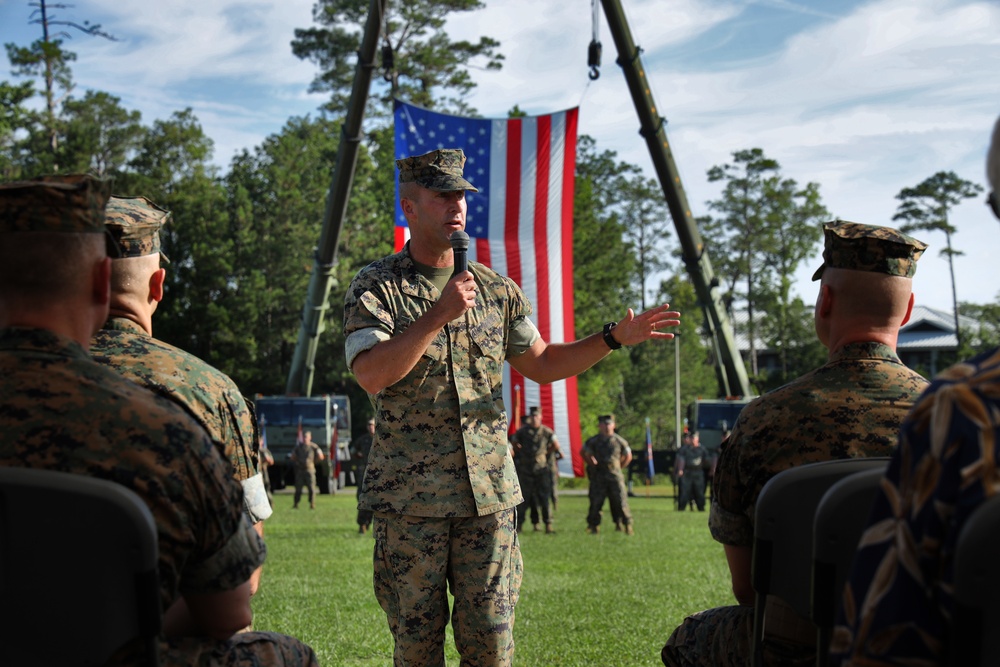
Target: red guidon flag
(521, 225)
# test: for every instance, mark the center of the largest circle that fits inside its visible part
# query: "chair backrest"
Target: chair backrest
(840, 519)
(78, 570)
(974, 638)
(783, 520)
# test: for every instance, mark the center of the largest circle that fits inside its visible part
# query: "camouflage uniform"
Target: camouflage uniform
(850, 407)
(441, 453)
(208, 394)
(692, 461)
(606, 478)
(59, 410)
(534, 472)
(304, 456)
(440, 477)
(898, 605)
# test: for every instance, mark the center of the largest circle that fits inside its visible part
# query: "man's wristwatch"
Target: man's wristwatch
(608, 338)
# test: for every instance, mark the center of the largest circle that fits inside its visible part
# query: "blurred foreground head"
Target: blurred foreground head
(53, 267)
(993, 170)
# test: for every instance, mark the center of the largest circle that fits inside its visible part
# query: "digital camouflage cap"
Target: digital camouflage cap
(439, 170)
(852, 245)
(72, 203)
(134, 224)
(606, 419)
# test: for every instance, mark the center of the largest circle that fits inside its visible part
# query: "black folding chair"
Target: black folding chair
(974, 637)
(840, 520)
(783, 536)
(78, 570)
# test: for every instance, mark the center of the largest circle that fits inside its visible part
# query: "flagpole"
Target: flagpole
(650, 471)
(677, 404)
(516, 421)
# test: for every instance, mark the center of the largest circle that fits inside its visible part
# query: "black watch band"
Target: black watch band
(608, 338)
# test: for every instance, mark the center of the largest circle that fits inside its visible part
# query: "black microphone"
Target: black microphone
(460, 246)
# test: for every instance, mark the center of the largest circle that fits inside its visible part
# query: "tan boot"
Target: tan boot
(629, 530)
(549, 529)
(593, 530)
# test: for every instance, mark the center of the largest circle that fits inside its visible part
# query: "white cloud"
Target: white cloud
(174, 41)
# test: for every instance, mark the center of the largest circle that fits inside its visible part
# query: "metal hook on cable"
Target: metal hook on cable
(387, 62)
(594, 60)
(594, 50)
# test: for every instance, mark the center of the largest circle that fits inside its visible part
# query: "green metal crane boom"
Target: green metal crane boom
(300, 376)
(730, 370)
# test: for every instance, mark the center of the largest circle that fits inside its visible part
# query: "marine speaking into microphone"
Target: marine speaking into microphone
(460, 245)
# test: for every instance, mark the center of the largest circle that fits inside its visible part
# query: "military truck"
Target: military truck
(712, 418)
(327, 417)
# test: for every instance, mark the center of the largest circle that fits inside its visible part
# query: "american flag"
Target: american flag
(521, 225)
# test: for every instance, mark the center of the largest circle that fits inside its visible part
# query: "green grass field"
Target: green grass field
(587, 600)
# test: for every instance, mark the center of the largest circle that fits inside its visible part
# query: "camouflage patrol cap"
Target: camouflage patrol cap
(534, 410)
(606, 419)
(439, 170)
(852, 245)
(72, 203)
(134, 224)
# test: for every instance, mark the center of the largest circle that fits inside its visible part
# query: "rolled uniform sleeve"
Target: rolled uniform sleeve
(255, 503)
(361, 341)
(523, 334)
(368, 320)
(224, 569)
(226, 550)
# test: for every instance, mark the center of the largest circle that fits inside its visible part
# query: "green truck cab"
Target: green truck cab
(327, 417)
(713, 418)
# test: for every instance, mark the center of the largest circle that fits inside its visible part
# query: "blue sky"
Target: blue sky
(863, 97)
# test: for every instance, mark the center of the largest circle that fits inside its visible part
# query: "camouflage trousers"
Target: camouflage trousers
(723, 637)
(604, 484)
(417, 559)
(306, 478)
(247, 649)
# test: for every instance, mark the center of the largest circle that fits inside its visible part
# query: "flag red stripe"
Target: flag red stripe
(543, 299)
(513, 203)
(400, 237)
(569, 323)
(483, 251)
(512, 216)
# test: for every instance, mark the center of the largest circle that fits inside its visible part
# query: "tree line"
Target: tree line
(241, 240)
